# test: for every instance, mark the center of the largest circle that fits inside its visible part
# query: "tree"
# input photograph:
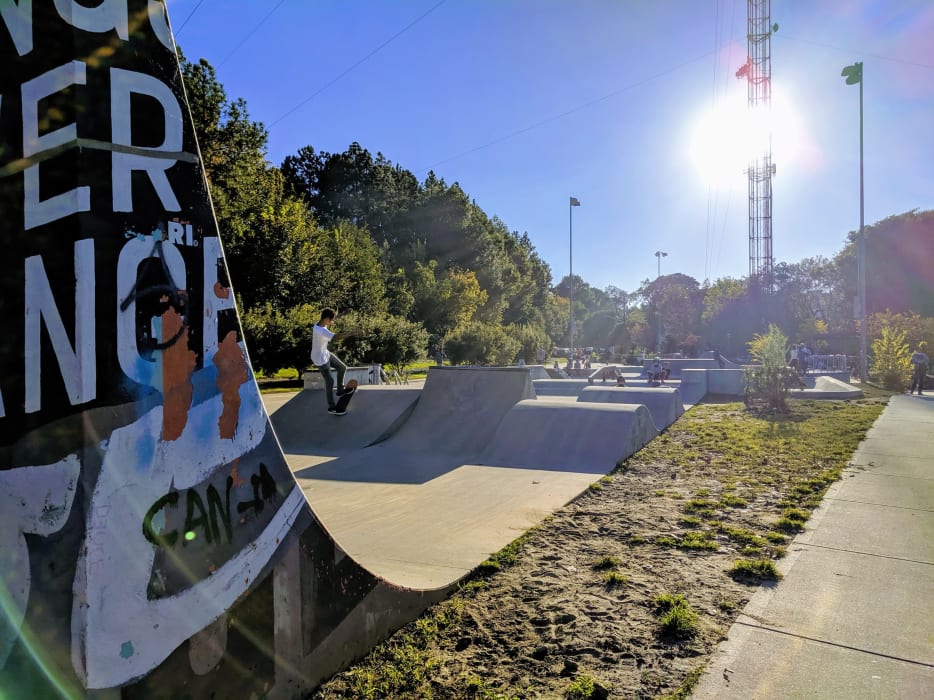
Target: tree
(480, 344)
(384, 339)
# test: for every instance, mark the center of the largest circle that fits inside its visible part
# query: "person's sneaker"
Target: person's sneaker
(332, 409)
(344, 391)
(338, 411)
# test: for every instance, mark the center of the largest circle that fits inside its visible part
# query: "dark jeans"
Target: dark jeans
(335, 363)
(917, 379)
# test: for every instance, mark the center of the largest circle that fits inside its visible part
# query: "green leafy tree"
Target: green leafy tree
(891, 359)
(384, 339)
(481, 344)
(531, 339)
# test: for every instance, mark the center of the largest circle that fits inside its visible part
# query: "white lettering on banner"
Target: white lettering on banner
(123, 83)
(214, 303)
(17, 16)
(35, 211)
(109, 14)
(131, 255)
(78, 365)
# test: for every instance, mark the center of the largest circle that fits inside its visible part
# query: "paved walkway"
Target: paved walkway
(854, 615)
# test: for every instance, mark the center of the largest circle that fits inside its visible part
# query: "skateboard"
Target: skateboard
(344, 400)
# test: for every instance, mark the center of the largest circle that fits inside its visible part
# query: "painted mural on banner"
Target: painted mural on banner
(151, 535)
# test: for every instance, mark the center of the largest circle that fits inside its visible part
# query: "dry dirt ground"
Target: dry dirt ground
(549, 624)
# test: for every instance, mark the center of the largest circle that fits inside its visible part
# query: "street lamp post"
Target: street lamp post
(659, 254)
(574, 202)
(853, 75)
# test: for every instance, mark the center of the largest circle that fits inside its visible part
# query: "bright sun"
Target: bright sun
(727, 137)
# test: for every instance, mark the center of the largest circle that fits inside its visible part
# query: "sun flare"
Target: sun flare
(726, 138)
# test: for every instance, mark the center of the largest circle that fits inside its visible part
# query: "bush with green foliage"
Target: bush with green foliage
(480, 344)
(531, 339)
(384, 339)
(891, 359)
(770, 380)
(279, 339)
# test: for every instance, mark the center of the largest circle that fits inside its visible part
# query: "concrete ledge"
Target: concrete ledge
(664, 403)
(364, 375)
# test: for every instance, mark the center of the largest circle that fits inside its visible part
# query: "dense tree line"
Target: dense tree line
(419, 263)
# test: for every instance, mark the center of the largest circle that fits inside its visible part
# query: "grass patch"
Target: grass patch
(613, 578)
(605, 562)
(637, 539)
(792, 520)
(700, 506)
(507, 556)
(691, 521)
(581, 688)
(596, 486)
(698, 541)
(755, 569)
(676, 618)
(728, 500)
(776, 537)
(666, 541)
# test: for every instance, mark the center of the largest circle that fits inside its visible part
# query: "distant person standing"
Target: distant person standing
(793, 358)
(439, 357)
(325, 360)
(919, 364)
(803, 354)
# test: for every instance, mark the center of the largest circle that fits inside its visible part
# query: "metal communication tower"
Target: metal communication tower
(758, 73)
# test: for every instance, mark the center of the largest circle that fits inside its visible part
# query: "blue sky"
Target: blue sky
(528, 102)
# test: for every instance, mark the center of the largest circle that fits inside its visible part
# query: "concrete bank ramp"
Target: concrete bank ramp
(663, 403)
(304, 427)
(460, 408)
(561, 435)
(559, 387)
(821, 387)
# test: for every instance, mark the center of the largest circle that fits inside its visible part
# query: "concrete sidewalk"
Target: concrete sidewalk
(854, 615)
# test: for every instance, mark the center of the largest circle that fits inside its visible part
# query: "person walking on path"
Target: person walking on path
(325, 360)
(919, 363)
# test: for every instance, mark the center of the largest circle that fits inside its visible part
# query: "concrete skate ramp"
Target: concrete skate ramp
(304, 427)
(154, 543)
(538, 372)
(559, 387)
(693, 386)
(663, 403)
(461, 407)
(726, 382)
(555, 434)
(821, 387)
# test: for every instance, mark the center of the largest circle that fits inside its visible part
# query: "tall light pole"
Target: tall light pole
(659, 254)
(854, 75)
(574, 202)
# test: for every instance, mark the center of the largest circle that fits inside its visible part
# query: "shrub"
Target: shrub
(891, 359)
(756, 569)
(480, 344)
(772, 379)
(676, 618)
(385, 339)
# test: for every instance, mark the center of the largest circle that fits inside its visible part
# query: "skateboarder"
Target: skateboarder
(324, 360)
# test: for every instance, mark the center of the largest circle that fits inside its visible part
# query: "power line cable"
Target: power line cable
(190, 15)
(857, 51)
(255, 29)
(362, 60)
(578, 108)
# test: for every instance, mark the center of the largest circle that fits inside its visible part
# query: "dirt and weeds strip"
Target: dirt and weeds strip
(631, 586)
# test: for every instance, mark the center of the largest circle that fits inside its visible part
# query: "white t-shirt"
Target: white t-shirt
(319, 345)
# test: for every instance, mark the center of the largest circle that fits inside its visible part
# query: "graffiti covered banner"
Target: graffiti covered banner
(142, 493)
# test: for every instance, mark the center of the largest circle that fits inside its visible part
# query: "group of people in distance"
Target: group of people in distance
(659, 371)
(798, 358)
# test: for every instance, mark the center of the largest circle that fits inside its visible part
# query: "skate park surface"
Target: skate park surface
(471, 463)
(421, 483)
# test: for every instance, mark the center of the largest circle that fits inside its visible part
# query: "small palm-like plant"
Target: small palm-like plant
(772, 379)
